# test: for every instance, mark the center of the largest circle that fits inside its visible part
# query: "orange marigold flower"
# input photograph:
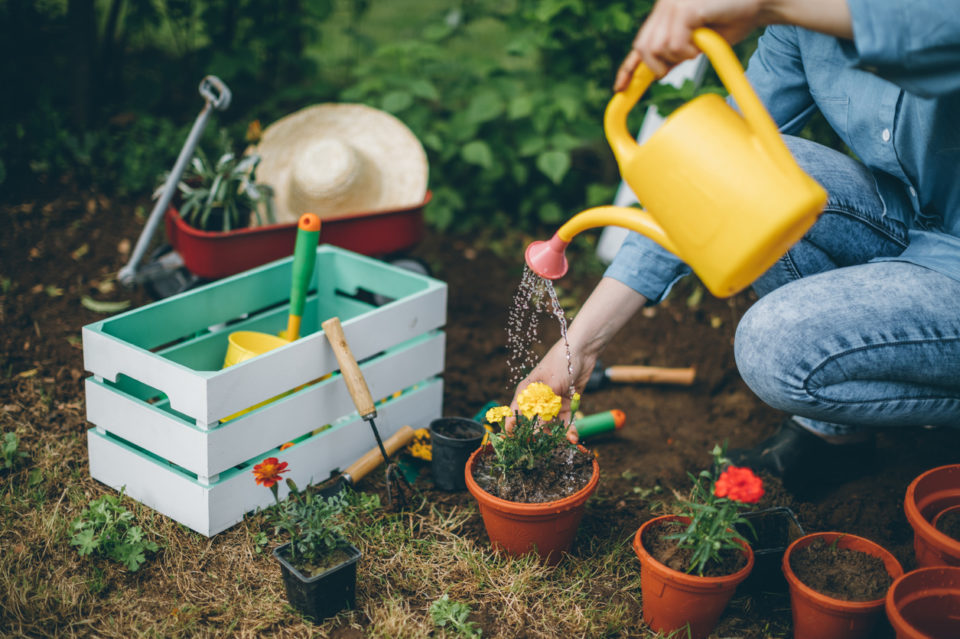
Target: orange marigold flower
(739, 484)
(267, 472)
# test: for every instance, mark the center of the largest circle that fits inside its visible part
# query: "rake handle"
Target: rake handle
(352, 376)
(373, 458)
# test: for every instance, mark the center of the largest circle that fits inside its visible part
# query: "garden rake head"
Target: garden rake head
(397, 484)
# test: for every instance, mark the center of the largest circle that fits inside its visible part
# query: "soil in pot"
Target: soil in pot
(656, 540)
(310, 569)
(841, 573)
(458, 428)
(949, 523)
(564, 472)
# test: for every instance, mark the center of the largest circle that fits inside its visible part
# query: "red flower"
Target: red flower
(739, 484)
(267, 472)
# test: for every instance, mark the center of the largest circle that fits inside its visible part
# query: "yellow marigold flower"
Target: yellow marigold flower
(539, 399)
(497, 414)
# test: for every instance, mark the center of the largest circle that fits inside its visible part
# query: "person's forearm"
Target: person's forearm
(831, 17)
(609, 307)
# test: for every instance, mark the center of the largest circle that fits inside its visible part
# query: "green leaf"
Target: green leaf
(396, 101)
(484, 106)
(550, 213)
(86, 542)
(520, 106)
(554, 164)
(103, 307)
(478, 152)
(423, 88)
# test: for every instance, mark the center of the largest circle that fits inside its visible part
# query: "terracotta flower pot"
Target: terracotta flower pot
(672, 599)
(818, 616)
(517, 528)
(925, 603)
(927, 495)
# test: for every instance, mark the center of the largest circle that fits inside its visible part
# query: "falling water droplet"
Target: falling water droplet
(535, 296)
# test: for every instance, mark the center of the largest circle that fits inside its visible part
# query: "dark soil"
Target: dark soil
(327, 562)
(63, 244)
(841, 573)
(949, 523)
(457, 428)
(562, 474)
(656, 540)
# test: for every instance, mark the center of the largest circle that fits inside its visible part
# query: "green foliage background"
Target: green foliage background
(507, 96)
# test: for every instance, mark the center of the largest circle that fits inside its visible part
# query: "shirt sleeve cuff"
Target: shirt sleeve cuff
(646, 267)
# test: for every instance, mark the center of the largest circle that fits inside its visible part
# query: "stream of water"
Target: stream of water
(535, 296)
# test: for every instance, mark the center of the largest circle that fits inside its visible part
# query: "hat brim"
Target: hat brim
(395, 163)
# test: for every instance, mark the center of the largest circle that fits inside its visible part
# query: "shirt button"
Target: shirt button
(913, 192)
(885, 136)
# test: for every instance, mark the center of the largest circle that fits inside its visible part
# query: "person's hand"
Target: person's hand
(666, 37)
(552, 370)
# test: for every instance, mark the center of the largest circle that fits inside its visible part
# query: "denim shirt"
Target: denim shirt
(893, 96)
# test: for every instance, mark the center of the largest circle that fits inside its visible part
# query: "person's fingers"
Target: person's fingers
(626, 70)
(572, 436)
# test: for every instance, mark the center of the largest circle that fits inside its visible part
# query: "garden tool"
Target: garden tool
(243, 345)
(217, 96)
(599, 423)
(722, 192)
(363, 400)
(604, 375)
(370, 460)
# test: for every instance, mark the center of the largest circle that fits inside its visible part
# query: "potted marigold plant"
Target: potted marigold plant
(532, 483)
(692, 562)
(319, 566)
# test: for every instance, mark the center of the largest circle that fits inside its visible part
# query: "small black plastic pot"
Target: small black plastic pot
(775, 528)
(324, 595)
(452, 440)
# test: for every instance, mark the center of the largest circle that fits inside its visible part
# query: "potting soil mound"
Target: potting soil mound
(841, 573)
(562, 474)
(657, 541)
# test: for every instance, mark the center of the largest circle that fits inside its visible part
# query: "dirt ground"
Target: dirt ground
(54, 250)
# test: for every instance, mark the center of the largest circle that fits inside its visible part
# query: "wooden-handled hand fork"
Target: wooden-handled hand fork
(360, 393)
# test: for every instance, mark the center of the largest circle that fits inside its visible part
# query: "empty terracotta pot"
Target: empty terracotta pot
(927, 495)
(672, 599)
(518, 528)
(925, 603)
(818, 616)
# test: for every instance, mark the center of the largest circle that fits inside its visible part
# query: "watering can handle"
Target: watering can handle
(725, 62)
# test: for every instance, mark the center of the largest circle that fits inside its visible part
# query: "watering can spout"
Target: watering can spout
(547, 259)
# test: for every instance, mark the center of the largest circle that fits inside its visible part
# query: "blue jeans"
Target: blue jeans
(843, 343)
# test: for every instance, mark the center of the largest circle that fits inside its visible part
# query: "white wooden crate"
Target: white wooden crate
(158, 392)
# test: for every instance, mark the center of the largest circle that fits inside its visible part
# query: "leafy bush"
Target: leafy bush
(514, 136)
(106, 529)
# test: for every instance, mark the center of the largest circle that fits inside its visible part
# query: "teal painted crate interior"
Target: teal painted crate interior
(191, 329)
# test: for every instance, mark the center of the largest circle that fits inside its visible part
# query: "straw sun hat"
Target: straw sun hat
(340, 159)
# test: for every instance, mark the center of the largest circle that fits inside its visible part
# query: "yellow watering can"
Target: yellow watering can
(721, 192)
